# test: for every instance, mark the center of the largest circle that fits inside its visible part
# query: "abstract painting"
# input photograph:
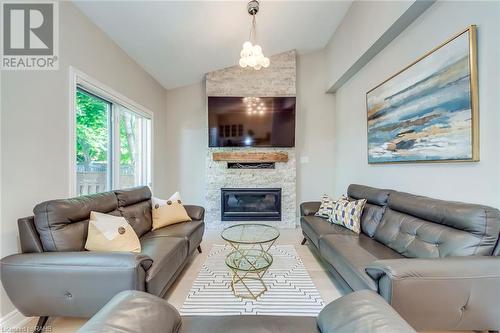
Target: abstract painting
(428, 112)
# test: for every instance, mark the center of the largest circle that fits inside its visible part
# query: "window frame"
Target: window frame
(79, 79)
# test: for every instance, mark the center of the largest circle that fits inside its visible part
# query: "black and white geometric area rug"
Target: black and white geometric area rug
(290, 288)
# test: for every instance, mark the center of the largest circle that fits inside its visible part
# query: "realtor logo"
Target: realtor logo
(30, 36)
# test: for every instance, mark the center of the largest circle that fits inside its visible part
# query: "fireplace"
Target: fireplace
(251, 204)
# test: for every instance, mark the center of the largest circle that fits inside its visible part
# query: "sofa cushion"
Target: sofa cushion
(135, 205)
(374, 196)
(192, 232)
(422, 227)
(371, 217)
(134, 195)
(63, 224)
(314, 227)
(138, 216)
(168, 254)
(376, 200)
(349, 255)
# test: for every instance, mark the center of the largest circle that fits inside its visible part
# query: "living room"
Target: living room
(250, 166)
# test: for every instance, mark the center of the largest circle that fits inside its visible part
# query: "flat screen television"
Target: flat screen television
(251, 121)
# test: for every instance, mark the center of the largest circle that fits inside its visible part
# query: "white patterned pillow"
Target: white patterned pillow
(332, 219)
(326, 208)
(348, 213)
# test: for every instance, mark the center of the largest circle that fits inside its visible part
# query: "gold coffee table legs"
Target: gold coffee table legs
(249, 264)
(251, 291)
(250, 258)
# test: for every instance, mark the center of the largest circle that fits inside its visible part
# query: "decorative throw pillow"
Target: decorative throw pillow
(348, 213)
(166, 212)
(111, 233)
(326, 208)
(332, 217)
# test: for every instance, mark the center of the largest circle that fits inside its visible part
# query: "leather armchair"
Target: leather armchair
(459, 292)
(70, 283)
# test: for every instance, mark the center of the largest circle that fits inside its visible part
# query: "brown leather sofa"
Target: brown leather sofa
(138, 312)
(436, 262)
(55, 276)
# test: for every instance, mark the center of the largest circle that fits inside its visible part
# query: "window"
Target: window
(93, 143)
(113, 143)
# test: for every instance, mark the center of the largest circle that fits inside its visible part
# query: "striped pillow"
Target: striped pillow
(348, 213)
(326, 208)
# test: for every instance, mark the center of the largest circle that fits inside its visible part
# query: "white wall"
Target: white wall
(315, 139)
(470, 182)
(35, 119)
(187, 134)
(358, 32)
(187, 142)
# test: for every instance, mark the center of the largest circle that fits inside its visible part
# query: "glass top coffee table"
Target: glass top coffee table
(250, 258)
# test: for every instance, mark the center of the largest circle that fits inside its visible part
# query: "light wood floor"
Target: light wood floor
(318, 272)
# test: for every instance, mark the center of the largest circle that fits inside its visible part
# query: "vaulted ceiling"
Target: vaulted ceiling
(177, 42)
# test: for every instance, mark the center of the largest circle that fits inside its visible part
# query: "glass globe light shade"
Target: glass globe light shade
(265, 62)
(251, 61)
(247, 45)
(243, 62)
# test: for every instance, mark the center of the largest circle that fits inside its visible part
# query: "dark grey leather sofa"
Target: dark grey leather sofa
(55, 276)
(436, 262)
(138, 312)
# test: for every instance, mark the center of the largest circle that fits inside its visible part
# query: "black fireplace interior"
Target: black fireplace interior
(251, 204)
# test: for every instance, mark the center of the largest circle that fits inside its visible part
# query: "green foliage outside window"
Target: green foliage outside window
(92, 131)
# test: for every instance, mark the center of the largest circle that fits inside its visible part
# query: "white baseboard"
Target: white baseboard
(13, 320)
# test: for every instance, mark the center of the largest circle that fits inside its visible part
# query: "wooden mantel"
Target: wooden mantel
(239, 156)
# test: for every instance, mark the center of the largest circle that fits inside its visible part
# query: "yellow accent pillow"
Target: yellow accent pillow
(167, 212)
(111, 233)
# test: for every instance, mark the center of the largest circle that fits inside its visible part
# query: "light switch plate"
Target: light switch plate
(304, 159)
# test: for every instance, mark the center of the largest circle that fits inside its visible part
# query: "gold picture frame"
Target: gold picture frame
(390, 146)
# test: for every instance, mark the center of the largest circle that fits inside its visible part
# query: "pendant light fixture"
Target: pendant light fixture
(251, 54)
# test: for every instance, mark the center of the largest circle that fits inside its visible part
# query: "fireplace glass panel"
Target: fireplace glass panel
(251, 204)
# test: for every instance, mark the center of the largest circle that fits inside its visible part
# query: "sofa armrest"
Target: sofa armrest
(134, 312)
(361, 311)
(309, 208)
(28, 236)
(75, 284)
(195, 212)
(459, 293)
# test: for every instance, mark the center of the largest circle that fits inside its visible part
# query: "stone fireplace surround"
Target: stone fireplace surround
(220, 176)
(277, 80)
